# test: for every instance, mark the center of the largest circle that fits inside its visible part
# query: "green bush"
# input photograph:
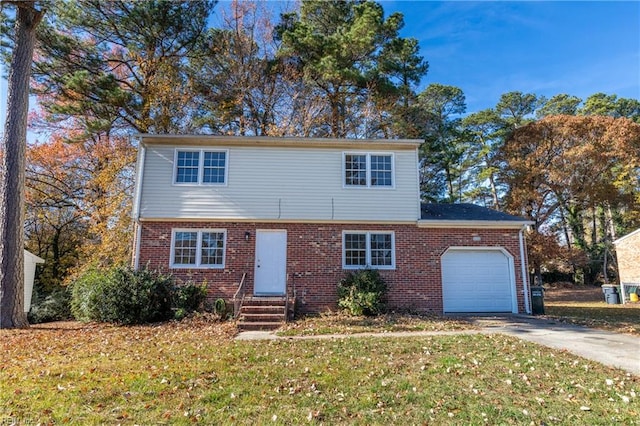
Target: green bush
(86, 294)
(122, 295)
(54, 306)
(220, 307)
(362, 292)
(188, 298)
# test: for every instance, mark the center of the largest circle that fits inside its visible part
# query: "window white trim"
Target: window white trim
(198, 264)
(368, 155)
(200, 182)
(368, 250)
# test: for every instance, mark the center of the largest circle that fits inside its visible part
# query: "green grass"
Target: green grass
(194, 372)
(340, 323)
(619, 318)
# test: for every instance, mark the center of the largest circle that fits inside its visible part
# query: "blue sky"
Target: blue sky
(493, 47)
(547, 48)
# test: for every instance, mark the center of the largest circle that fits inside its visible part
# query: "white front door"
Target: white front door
(271, 263)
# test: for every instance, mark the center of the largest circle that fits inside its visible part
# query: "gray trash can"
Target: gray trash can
(537, 300)
(611, 295)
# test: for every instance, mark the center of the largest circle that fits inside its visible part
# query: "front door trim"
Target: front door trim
(270, 269)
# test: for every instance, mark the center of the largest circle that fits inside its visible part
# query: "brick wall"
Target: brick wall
(314, 260)
(628, 254)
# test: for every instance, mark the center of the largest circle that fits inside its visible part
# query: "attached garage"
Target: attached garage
(478, 279)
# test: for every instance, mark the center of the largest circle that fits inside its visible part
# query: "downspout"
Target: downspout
(136, 255)
(523, 261)
(136, 204)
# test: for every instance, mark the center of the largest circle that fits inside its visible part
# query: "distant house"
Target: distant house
(30, 263)
(628, 254)
(293, 215)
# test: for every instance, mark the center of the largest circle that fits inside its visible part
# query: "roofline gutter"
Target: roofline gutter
(269, 141)
(136, 204)
(490, 224)
(619, 240)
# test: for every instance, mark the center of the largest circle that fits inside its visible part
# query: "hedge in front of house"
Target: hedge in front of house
(122, 295)
(362, 292)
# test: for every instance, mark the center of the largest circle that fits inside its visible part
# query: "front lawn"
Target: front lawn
(341, 323)
(586, 306)
(193, 372)
(618, 318)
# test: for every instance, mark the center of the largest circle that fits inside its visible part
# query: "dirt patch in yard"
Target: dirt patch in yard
(586, 306)
(567, 292)
(562, 293)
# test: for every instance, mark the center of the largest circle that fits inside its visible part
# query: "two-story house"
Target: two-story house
(291, 215)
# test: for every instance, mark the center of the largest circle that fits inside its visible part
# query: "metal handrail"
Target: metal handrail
(290, 291)
(286, 301)
(237, 303)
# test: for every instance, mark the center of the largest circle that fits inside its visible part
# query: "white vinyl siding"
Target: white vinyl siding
(369, 249)
(278, 183)
(193, 167)
(198, 248)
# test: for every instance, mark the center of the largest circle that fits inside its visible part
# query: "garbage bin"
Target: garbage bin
(537, 300)
(611, 295)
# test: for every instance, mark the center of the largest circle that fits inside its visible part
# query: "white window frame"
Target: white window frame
(368, 250)
(368, 170)
(200, 167)
(198, 264)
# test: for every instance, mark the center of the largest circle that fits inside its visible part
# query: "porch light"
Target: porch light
(247, 235)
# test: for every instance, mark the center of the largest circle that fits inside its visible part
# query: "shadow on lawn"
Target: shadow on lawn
(620, 318)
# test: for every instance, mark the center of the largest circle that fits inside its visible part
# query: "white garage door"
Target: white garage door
(477, 281)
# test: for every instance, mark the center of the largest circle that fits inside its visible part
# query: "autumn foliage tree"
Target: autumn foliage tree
(578, 173)
(104, 70)
(55, 226)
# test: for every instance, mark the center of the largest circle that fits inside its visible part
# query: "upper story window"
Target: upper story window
(368, 249)
(368, 170)
(193, 248)
(201, 167)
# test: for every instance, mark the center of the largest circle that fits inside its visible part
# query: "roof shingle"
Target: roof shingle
(464, 212)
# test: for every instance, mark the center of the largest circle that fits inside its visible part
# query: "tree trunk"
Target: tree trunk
(449, 178)
(12, 210)
(494, 189)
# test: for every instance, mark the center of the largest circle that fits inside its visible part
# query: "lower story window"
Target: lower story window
(368, 249)
(198, 248)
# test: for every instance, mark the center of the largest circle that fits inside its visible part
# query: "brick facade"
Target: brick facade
(314, 260)
(628, 253)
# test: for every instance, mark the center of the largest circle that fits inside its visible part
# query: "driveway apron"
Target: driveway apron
(608, 348)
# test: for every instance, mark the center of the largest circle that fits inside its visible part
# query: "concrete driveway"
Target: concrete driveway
(613, 349)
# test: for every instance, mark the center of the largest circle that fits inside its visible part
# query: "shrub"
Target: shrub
(54, 306)
(122, 295)
(188, 298)
(86, 294)
(220, 307)
(137, 297)
(362, 292)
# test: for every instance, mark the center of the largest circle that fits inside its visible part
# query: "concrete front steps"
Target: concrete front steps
(262, 313)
